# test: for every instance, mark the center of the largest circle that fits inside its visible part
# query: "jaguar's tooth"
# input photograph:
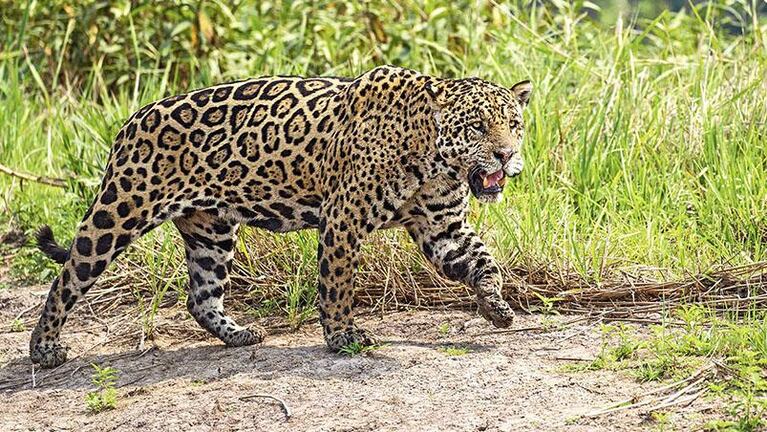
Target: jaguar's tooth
(485, 182)
(502, 181)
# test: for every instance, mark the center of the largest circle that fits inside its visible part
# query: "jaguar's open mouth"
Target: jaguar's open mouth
(486, 185)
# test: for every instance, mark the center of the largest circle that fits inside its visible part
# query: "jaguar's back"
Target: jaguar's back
(231, 145)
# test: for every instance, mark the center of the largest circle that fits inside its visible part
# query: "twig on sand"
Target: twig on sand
(513, 330)
(20, 314)
(285, 406)
(681, 401)
(579, 359)
(590, 390)
(687, 391)
(77, 369)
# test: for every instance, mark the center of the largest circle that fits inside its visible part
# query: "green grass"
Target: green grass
(162, 269)
(640, 150)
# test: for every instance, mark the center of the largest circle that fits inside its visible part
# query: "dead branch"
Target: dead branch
(682, 392)
(49, 181)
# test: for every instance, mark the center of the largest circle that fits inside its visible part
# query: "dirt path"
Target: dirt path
(188, 381)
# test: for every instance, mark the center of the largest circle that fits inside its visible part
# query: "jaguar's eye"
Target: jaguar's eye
(478, 127)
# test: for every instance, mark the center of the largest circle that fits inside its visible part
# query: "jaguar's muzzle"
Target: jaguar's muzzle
(486, 185)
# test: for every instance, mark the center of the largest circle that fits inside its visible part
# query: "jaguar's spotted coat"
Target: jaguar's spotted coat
(389, 148)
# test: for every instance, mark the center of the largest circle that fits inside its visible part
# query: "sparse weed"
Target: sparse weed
(105, 396)
(662, 421)
(612, 355)
(550, 323)
(355, 348)
(454, 351)
(548, 304)
(17, 325)
(655, 369)
(748, 414)
(443, 329)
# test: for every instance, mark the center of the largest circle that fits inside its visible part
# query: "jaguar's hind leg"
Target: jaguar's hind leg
(100, 238)
(210, 243)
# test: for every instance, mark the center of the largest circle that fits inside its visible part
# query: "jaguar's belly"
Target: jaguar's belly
(283, 215)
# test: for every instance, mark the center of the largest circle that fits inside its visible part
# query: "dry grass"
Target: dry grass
(404, 280)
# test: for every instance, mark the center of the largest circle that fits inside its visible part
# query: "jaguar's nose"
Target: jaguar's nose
(503, 155)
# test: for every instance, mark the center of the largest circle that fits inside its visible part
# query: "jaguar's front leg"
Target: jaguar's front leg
(337, 254)
(459, 254)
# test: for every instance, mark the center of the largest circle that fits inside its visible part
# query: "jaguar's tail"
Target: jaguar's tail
(47, 244)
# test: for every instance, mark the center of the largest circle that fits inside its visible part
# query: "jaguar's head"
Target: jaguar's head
(480, 131)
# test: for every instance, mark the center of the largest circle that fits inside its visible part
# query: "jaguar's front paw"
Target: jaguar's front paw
(496, 310)
(247, 336)
(338, 340)
(48, 356)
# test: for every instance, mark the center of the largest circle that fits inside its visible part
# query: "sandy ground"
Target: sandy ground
(185, 380)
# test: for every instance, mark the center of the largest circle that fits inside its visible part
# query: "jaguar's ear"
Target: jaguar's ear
(435, 90)
(522, 91)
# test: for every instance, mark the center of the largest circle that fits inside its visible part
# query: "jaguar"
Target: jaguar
(389, 148)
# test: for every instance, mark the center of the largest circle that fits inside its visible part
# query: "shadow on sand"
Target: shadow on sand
(207, 363)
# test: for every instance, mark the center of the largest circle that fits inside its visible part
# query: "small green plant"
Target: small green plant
(748, 415)
(355, 348)
(443, 329)
(655, 369)
(454, 351)
(662, 420)
(17, 325)
(549, 322)
(612, 356)
(105, 396)
(548, 306)
(571, 421)
(627, 344)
